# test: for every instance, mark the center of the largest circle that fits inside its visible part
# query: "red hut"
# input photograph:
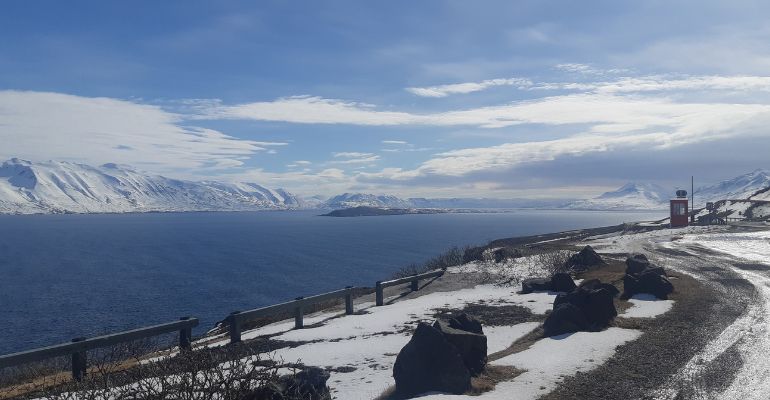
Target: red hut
(679, 213)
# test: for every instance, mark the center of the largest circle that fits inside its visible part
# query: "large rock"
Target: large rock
(565, 318)
(649, 281)
(536, 285)
(466, 323)
(594, 299)
(562, 282)
(505, 253)
(637, 263)
(642, 277)
(429, 362)
(471, 346)
(585, 259)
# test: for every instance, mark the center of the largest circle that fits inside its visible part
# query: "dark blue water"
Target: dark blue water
(63, 276)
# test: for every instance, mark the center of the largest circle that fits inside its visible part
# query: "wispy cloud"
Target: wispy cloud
(586, 69)
(468, 87)
(351, 154)
(394, 142)
(589, 103)
(43, 125)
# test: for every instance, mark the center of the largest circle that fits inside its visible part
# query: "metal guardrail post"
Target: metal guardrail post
(79, 364)
(235, 327)
(380, 299)
(349, 300)
(185, 336)
(298, 315)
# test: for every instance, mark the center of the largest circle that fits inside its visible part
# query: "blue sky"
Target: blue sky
(429, 98)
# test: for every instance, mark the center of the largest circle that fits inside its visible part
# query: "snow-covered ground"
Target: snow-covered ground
(646, 306)
(360, 349)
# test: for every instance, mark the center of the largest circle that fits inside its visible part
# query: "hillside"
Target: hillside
(65, 187)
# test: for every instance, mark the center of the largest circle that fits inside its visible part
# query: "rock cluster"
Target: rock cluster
(589, 307)
(643, 277)
(560, 282)
(585, 259)
(441, 357)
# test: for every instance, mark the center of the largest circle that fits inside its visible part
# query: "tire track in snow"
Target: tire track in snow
(749, 334)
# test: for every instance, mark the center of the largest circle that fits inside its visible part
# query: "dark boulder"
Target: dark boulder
(655, 270)
(585, 259)
(429, 362)
(643, 277)
(595, 300)
(505, 253)
(637, 263)
(565, 318)
(466, 323)
(536, 285)
(593, 284)
(647, 282)
(599, 308)
(471, 346)
(562, 282)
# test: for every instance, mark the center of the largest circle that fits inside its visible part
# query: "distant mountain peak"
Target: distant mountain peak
(67, 187)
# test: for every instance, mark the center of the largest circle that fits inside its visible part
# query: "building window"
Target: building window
(679, 209)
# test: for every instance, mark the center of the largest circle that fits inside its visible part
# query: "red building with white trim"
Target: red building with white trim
(679, 210)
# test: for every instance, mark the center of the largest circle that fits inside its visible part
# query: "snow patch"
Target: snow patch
(647, 306)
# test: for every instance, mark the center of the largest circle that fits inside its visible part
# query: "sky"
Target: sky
(499, 99)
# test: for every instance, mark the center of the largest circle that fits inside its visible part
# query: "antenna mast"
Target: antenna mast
(692, 196)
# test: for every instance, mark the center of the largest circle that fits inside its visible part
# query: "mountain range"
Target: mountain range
(65, 187)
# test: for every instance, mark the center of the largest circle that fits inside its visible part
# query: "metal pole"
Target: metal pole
(379, 297)
(692, 196)
(235, 327)
(298, 314)
(79, 365)
(185, 336)
(349, 300)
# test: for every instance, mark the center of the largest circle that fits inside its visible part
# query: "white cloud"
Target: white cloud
(468, 87)
(351, 154)
(615, 102)
(586, 69)
(42, 126)
(302, 162)
(308, 110)
(394, 142)
(363, 159)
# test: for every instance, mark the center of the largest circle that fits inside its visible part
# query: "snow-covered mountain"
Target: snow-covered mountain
(349, 200)
(634, 196)
(65, 187)
(740, 187)
(631, 196)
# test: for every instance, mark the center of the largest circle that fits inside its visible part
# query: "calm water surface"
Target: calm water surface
(63, 276)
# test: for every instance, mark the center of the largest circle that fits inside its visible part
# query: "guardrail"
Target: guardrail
(414, 279)
(79, 346)
(236, 319)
